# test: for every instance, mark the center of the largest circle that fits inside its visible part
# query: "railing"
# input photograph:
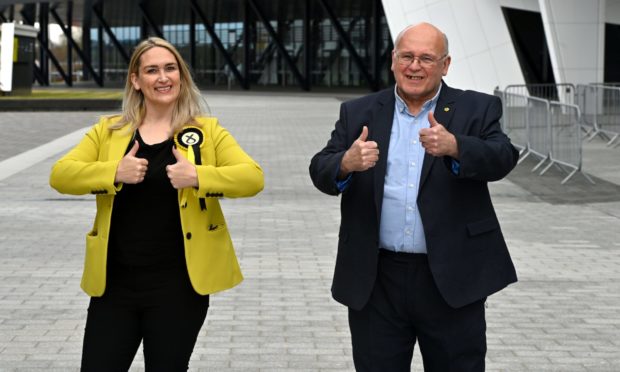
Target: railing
(600, 105)
(564, 93)
(547, 130)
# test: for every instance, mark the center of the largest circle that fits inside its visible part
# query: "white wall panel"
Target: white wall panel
(574, 32)
(494, 25)
(477, 34)
(471, 34)
(483, 71)
(578, 45)
(612, 12)
(531, 5)
(481, 48)
(507, 67)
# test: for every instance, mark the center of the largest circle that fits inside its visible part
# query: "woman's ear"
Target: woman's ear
(134, 81)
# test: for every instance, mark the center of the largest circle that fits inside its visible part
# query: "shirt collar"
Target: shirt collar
(401, 106)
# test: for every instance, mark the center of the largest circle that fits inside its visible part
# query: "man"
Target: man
(420, 247)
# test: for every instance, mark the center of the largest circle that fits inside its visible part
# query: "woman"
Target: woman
(159, 244)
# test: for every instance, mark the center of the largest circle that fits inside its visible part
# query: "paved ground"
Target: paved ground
(563, 315)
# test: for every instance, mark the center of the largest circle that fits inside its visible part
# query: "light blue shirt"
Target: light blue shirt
(401, 228)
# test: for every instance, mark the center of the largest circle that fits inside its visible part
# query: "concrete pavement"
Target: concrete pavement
(563, 314)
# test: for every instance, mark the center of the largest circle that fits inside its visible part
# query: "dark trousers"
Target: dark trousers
(405, 307)
(156, 307)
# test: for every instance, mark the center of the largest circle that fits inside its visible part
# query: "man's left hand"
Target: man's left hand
(437, 141)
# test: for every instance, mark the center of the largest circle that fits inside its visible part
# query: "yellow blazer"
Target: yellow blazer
(225, 171)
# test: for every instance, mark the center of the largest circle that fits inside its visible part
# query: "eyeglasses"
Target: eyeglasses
(424, 60)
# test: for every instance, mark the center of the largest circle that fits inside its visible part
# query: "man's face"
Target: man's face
(419, 63)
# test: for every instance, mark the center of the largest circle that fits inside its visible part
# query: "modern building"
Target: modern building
(324, 44)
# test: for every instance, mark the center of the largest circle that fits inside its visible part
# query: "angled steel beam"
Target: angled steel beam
(50, 55)
(146, 16)
(247, 25)
(347, 43)
(303, 82)
(38, 75)
(99, 14)
(218, 44)
(307, 37)
(376, 39)
(85, 60)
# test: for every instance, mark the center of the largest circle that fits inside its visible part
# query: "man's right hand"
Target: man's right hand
(361, 156)
(131, 169)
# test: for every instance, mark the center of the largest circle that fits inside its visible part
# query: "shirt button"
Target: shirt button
(188, 235)
(414, 142)
(408, 232)
(413, 163)
(411, 185)
(409, 208)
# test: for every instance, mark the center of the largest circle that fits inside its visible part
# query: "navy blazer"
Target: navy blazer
(467, 253)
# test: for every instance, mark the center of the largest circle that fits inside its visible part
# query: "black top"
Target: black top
(146, 225)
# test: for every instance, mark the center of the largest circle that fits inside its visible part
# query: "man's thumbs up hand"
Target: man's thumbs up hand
(361, 156)
(437, 141)
(131, 169)
(364, 134)
(182, 174)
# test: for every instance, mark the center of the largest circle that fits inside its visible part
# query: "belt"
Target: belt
(403, 255)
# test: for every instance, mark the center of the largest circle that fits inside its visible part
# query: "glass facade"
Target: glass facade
(236, 44)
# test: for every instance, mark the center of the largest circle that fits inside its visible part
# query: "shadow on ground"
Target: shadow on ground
(548, 187)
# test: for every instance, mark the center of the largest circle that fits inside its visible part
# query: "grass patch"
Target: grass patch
(67, 94)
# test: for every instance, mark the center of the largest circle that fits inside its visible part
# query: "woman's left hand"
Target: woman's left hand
(182, 174)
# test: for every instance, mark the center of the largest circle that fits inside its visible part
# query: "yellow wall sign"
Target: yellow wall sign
(15, 48)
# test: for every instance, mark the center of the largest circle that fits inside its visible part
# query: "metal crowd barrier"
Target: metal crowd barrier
(564, 93)
(514, 119)
(547, 130)
(600, 105)
(565, 138)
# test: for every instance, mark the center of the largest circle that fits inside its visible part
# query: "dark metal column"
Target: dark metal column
(44, 65)
(307, 40)
(69, 35)
(274, 36)
(66, 29)
(30, 20)
(247, 29)
(86, 26)
(148, 20)
(192, 39)
(376, 38)
(98, 11)
(218, 44)
(372, 83)
(101, 49)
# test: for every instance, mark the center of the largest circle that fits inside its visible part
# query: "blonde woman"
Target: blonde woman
(159, 244)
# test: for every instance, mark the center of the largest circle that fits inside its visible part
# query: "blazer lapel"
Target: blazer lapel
(119, 143)
(444, 111)
(380, 130)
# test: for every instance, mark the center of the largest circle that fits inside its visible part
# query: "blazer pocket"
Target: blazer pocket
(482, 226)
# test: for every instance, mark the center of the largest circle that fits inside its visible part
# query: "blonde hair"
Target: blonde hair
(189, 105)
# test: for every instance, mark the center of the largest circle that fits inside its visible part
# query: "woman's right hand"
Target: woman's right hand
(131, 169)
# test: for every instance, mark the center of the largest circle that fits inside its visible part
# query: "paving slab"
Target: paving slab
(563, 314)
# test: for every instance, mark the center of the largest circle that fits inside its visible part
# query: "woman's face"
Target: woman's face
(158, 77)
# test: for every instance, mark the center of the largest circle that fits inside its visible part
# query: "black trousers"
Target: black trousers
(405, 307)
(157, 307)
